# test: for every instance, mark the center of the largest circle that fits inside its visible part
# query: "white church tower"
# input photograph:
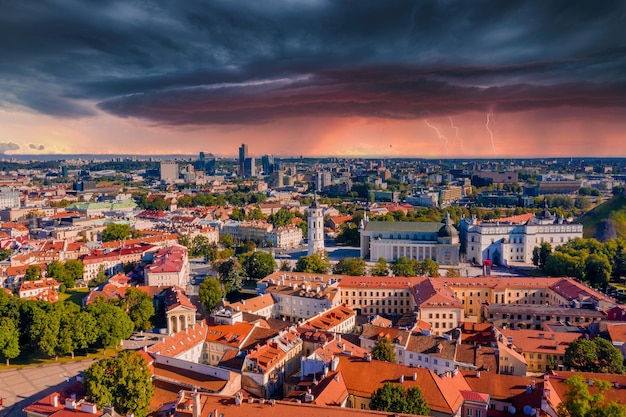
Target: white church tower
(316, 228)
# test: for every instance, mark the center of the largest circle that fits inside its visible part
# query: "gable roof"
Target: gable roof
(364, 377)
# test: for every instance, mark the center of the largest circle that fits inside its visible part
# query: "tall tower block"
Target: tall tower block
(316, 228)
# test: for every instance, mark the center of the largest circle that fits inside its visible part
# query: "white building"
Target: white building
(316, 228)
(415, 240)
(512, 239)
(9, 199)
(285, 237)
(168, 171)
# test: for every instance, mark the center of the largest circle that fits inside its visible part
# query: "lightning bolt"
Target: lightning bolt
(457, 138)
(489, 119)
(438, 134)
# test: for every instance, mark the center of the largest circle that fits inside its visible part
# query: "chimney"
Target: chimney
(552, 336)
(401, 379)
(90, 408)
(55, 400)
(70, 404)
(197, 408)
(414, 376)
(107, 409)
(541, 335)
(368, 357)
(477, 374)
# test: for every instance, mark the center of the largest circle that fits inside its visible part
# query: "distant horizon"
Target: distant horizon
(194, 156)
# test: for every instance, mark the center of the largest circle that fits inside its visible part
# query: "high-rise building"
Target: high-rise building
(249, 167)
(316, 228)
(322, 180)
(168, 171)
(206, 163)
(243, 154)
(268, 164)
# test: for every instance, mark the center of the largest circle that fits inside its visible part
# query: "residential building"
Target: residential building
(169, 267)
(378, 295)
(399, 339)
(340, 319)
(542, 350)
(363, 377)
(535, 316)
(285, 237)
(221, 339)
(185, 345)
(42, 289)
(266, 367)
(508, 394)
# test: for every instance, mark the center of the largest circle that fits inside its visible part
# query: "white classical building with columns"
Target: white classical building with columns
(179, 311)
(415, 240)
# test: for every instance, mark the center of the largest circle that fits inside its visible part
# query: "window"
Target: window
(410, 356)
(469, 412)
(362, 406)
(435, 361)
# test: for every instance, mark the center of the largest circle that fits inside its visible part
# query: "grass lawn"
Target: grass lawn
(29, 358)
(75, 295)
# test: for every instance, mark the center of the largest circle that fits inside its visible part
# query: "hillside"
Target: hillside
(613, 209)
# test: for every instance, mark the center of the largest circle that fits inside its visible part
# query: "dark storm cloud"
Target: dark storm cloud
(8, 146)
(215, 62)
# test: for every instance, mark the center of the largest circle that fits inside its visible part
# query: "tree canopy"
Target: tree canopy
(258, 265)
(350, 266)
(383, 350)
(210, 293)
(316, 264)
(115, 231)
(597, 355)
(123, 382)
(9, 339)
(113, 324)
(397, 399)
(409, 267)
(579, 402)
(380, 269)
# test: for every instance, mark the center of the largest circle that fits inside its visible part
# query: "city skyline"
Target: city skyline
(485, 79)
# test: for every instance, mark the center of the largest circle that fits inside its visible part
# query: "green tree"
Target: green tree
(610, 359)
(210, 293)
(258, 265)
(404, 267)
(581, 355)
(397, 399)
(597, 270)
(115, 231)
(541, 253)
(113, 324)
(227, 241)
(597, 355)
(579, 402)
(100, 278)
(349, 234)
(281, 218)
(123, 382)
(285, 266)
(5, 253)
(43, 327)
(315, 264)
(380, 269)
(139, 307)
(230, 273)
(9, 339)
(383, 350)
(33, 273)
(350, 266)
(428, 268)
(75, 268)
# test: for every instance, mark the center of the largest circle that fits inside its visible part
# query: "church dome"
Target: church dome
(448, 229)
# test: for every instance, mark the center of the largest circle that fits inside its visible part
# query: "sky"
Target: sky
(428, 79)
